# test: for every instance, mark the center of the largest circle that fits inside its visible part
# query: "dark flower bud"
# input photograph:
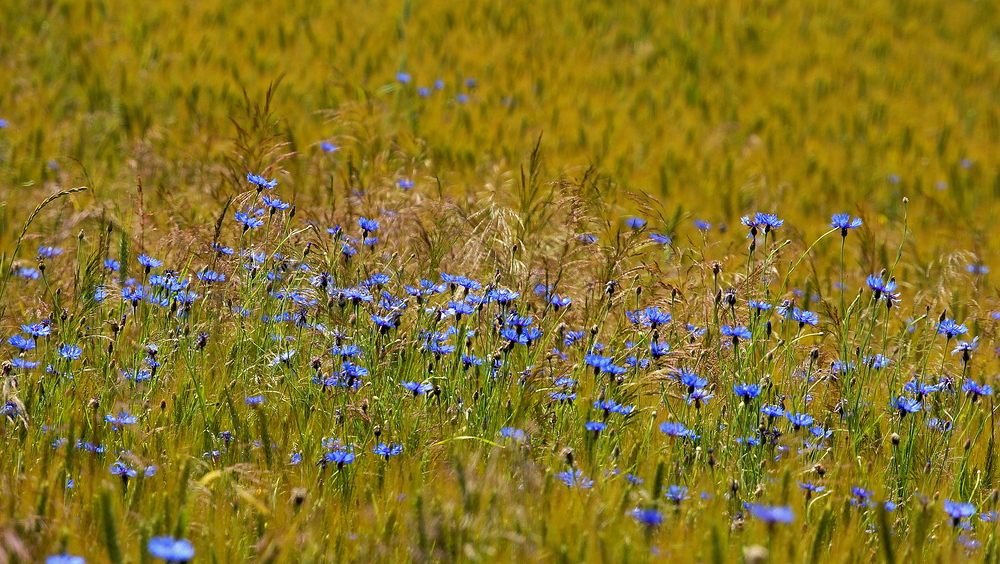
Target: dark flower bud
(895, 439)
(298, 497)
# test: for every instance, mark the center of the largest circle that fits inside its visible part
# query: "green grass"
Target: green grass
(131, 129)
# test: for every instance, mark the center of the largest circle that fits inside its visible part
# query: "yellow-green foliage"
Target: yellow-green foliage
(718, 106)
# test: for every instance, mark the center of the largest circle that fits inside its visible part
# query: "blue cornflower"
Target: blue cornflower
(404, 183)
(587, 238)
(966, 348)
(575, 478)
(799, 420)
(368, 225)
(503, 295)
(905, 405)
(28, 272)
(170, 549)
(768, 221)
(648, 517)
(611, 406)
(254, 400)
(772, 514)
(70, 352)
(423, 91)
(403, 78)
(387, 450)
(883, 289)
(702, 225)
(760, 306)
(43, 329)
(805, 317)
(328, 147)
(657, 349)
(559, 301)
(123, 418)
(811, 488)
(736, 333)
(920, 388)
(112, 265)
(65, 559)
(149, 262)
(119, 469)
(211, 276)
(261, 182)
(844, 222)
(673, 429)
(878, 361)
(975, 390)
(635, 222)
(950, 329)
(676, 494)
(698, 397)
(462, 98)
(842, 367)
(417, 387)
(341, 457)
(22, 342)
(386, 322)
(438, 84)
(977, 268)
(249, 219)
(275, 204)
(513, 433)
(595, 426)
(958, 510)
(746, 391)
(772, 411)
(45, 252)
(661, 238)
(861, 496)
(690, 380)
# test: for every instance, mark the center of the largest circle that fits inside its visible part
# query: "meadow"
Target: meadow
(557, 281)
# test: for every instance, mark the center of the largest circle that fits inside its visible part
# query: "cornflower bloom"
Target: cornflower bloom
(635, 222)
(905, 405)
(746, 392)
(975, 390)
(736, 333)
(387, 450)
(648, 517)
(261, 182)
(950, 329)
(676, 494)
(118, 421)
(772, 514)
(958, 510)
(844, 222)
(170, 549)
(575, 478)
(417, 387)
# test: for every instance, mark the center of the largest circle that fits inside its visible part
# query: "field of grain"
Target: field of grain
(553, 281)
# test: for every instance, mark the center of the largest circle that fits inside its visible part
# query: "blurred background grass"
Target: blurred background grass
(715, 108)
